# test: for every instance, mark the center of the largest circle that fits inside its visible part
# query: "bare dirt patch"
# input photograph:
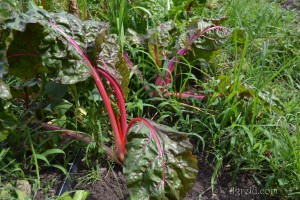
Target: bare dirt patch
(112, 186)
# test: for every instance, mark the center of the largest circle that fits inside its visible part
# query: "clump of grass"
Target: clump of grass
(259, 134)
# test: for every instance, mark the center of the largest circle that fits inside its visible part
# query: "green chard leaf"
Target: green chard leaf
(7, 121)
(109, 58)
(5, 39)
(4, 91)
(159, 163)
(50, 50)
(22, 47)
(161, 35)
(210, 39)
(156, 41)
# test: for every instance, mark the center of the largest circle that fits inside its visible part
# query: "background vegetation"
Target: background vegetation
(249, 119)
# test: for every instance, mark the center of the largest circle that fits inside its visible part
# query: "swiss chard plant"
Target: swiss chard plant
(157, 160)
(200, 42)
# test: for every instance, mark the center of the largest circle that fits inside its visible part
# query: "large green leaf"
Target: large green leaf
(161, 34)
(4, 91)
(109, 58)
(156, 41)
(22, 47)
(50, 50)
(5, 39)
(210, 38)
(159, 163)
(7, 121)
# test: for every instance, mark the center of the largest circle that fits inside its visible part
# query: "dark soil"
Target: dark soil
(112, 186)
(245, 188)
(292, 4)
(49, 192)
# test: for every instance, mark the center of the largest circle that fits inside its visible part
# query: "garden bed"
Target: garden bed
(112, 185)
(224, 73)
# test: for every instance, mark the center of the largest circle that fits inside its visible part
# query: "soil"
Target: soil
(291, 4)
(112, 185)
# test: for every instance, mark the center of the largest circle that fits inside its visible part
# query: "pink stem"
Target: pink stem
(103, 93)
(121, 101)
(201, 96)
(73, 134)
(160, 81)
(184, 95)
(22, 54)
(158, 144)
(80, 136)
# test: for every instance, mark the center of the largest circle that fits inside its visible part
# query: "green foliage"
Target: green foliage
(158, 8)
(79, 195)
(4, 91)
(110, 59)
(49, 51)
(248, 117)
(7, 120)
(19, 191)
(158, 170)
(56, 6)
(6, 38)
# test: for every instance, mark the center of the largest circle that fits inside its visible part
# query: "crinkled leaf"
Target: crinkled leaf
(107, 55)
(94, 30)
(162, 35)
(31, 87)
(7, 121)
(210, 39)
(50, 50)
(154, 173)
(157, 40)
(7, 7)
(136, 39)
(4, 91)
(58, 53)
(5, 39)
(123, 69)
(109, 58)
(21, 48)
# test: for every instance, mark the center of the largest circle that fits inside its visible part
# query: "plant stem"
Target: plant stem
(160, 81)
(81, 136)
(119, 149)
(35, 160)
(121, 103)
